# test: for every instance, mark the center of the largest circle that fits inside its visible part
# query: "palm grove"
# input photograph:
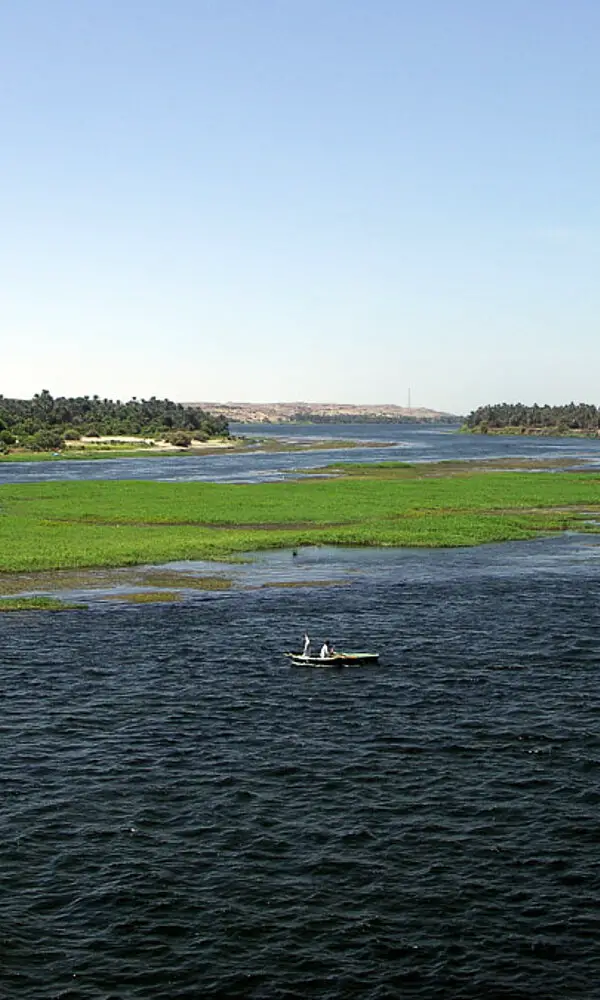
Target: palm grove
(45, 423)
(507, 417)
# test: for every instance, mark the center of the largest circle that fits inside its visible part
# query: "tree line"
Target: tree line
(561, 419)
(45, 423)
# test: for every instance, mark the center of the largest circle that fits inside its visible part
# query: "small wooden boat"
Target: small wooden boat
(340, 659)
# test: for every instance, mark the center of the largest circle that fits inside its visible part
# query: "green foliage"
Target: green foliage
(37, 604)
(365, 468)
(179, 438)
(149, 597)
(551, 419)
(79, 524)
(92, 416)
(46, 440)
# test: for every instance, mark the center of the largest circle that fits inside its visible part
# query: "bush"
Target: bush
(180, 438)
(71, 434)
(46, 440)
(7, 438)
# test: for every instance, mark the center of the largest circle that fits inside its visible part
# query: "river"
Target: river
(184, 815)
(371, 443)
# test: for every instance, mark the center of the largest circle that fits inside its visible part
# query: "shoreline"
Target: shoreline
(524, 431)
(108, 448)
(119, 446)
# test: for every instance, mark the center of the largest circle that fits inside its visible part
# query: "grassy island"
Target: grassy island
(47, 526)
(38, 604)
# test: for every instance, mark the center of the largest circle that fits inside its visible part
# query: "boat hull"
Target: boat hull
(337, 660)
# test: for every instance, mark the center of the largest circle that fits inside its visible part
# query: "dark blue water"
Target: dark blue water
(184, 815)
(397, 442)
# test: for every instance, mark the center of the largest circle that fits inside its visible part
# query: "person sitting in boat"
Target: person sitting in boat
(306, 650)
(326, 650)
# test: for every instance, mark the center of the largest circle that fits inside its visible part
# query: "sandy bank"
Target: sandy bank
(126, 440)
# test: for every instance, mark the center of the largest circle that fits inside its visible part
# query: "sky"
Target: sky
(301, 200)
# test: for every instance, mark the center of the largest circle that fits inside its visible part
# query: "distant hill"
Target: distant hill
(274, 413)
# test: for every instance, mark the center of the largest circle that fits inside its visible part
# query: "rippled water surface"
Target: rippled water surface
(184, 815)
(372, 443)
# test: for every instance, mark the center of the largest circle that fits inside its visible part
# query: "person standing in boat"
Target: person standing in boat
(306, 650)
(325, 650)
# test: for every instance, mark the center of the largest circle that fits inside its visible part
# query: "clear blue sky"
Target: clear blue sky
(320, 200)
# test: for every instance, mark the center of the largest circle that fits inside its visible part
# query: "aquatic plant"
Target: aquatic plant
(82, 523)
(38, 604)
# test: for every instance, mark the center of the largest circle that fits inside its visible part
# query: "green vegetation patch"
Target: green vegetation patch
(92, 452)
(107, 579)
(44, 424)
(516, 418)
(373, 470)
(148, 597)
(171, 578)
(70, 525)
(300, 583)
(275, 445)
(447, 467)
(38, 604)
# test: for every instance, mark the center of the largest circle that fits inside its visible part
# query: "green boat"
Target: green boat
(340, 659)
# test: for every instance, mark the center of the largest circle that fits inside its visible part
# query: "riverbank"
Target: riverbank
(527, 431)
(119, 447)
(90, 524)
(122, 446)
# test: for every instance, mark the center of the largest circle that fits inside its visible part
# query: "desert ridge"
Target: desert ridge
(251, 413)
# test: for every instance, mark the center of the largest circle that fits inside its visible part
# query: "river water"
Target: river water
(184, 815)
(372, 443)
